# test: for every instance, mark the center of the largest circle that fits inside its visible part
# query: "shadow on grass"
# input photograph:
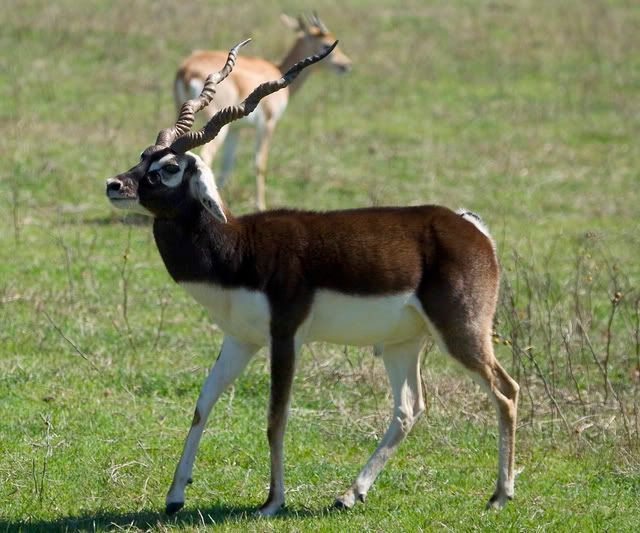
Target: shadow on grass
(148, 519)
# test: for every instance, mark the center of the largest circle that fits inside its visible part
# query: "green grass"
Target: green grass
(526, 112)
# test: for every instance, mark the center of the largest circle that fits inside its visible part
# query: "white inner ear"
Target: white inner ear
(289, 22)
(203, 187)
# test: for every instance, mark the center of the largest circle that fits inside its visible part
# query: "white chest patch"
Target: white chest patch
(242, 313)
(334, 317)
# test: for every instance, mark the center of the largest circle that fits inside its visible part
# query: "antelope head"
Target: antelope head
(313, 38)
(169, 178)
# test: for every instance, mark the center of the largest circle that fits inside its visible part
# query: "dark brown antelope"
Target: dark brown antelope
(387, 276)
(312, 37)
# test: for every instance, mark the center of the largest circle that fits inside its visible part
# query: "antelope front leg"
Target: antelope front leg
(233, 358)
(283, 354)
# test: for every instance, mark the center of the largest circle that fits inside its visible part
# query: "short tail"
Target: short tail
(475, 219)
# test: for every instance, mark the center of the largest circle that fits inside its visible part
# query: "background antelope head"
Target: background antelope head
(313, 37)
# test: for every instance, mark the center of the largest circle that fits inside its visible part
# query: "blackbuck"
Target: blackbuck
(388, 276)
(312, 37)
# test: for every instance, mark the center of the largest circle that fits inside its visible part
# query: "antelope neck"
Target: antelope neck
(197, 247)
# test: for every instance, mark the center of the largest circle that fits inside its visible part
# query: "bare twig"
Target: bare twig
(67, 263)
(124, 275)
(637, 331)
(164, 301)
(15, 202)
(614, 305)
(625, 419)
(548, 389)
(39, 483)
(69, 341)
(566, 340)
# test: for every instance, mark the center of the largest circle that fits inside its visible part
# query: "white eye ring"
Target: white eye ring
(171, 175)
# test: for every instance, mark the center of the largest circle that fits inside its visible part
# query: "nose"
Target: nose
(113, 186)
(344, 67)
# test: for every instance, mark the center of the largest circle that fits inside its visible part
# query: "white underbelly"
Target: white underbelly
(363, 320)
(334, 317)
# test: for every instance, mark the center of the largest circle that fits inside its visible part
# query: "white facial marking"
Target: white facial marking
(168, 179)
(203, 187)
(131, 205)
(162, 162)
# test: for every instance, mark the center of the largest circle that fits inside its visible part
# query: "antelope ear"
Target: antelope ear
(203, 187)
(289, 22)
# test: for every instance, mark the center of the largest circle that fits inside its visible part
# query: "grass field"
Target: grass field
(527, 112)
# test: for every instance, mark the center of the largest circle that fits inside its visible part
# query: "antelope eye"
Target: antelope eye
(171, 169)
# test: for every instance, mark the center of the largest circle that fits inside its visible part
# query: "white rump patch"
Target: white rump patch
(203, 187)
(475, 219)
(180, 93)
(195, 88)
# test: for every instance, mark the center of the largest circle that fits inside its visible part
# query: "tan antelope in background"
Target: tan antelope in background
(386, 276)
(312, 37)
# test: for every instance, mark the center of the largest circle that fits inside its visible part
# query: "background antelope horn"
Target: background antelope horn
(191, 107)
(193, 139)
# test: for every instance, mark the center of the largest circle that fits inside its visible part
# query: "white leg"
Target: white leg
(503, 390)
(474, 349)
(228, 156)
(233, 358)
(402, 364)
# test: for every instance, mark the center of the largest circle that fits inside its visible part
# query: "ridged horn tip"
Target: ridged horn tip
(240, 45)
(295, 69)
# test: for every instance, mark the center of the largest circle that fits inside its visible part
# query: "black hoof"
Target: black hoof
(173, 508)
